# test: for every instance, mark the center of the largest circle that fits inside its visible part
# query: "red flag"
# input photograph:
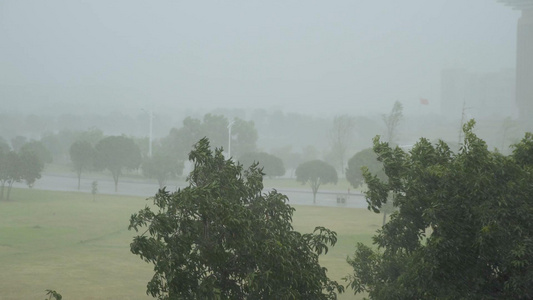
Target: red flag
(424, 101)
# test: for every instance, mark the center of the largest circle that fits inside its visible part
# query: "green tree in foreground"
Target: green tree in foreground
(316, 172)
(463, 229)
(221, 238)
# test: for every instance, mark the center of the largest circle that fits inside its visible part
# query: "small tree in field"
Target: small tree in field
(316, 173)
(162, 167)
(30, 166)
(10, 172)
(83, 156)
(94, 189)
(116, 153)
(221, 238)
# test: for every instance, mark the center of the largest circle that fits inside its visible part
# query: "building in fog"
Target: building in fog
(524, 57)
(482, 94)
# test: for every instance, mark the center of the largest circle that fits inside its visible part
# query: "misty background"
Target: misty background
(312, 57)
(290, 66)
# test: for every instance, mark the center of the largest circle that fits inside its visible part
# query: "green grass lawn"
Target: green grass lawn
(68, 242)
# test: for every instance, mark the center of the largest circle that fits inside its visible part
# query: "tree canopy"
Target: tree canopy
(244, 137)
(365, 158)
(272, 165)
(221, 238)
(83, 157)
(30, 166)
(116, 153)
(463, 229)
(10, 171)
(38, 148)
(316, 172)
(162, 167)
(17, 166)
(291, 160)
(215, 128)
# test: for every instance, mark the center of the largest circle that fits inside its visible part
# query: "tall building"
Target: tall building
(524, 58)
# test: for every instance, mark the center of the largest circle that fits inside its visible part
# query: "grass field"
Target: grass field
(80, 247)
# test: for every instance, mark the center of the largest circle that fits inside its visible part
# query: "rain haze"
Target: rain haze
(244, 139)
(314, 57)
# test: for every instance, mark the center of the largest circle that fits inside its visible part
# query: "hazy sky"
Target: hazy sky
(324, 57)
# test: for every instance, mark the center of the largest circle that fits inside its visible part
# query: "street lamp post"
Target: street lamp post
(229, 137)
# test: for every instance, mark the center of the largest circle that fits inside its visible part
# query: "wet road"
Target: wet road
(142, 188)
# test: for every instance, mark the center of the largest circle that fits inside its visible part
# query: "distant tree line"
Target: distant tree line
(119, 153)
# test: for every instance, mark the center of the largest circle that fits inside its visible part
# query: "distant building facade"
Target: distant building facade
(524, 58)
(483, 95)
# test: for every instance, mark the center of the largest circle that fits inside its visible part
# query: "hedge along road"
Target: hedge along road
(142, 188)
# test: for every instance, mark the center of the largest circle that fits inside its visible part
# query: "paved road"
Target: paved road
(132, 187)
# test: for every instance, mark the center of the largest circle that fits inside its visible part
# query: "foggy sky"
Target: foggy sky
(320, 57)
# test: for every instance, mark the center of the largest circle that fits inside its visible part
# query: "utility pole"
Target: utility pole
(463, 116)
(151, 134)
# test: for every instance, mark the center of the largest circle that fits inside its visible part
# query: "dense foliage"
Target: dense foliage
(215, 127)
(463, 229)
(221, 238)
